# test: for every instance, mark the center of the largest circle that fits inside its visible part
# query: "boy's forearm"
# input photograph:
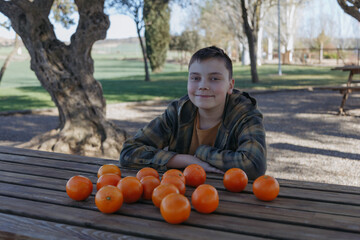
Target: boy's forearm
(183, 160)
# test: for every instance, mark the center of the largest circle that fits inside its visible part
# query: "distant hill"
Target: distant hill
(6, 42)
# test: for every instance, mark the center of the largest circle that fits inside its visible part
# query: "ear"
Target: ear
(231, 86)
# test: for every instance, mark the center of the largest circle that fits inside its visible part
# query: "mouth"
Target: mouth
(204, 96)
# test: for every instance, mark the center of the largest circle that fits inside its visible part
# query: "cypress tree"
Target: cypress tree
(157, 32)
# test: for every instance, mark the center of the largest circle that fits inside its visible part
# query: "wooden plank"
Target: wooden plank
(338, 88)
(42, 171)
(53, 155)
(15, 236)
(59, 164)
(304, 185)
(30, 228)
(319, 186)
(227, 196)
(230, 224)
(243, 210)
(115, 223)
(84, 168)
(348, 68)
(306, 194)
(132, 172)
(88, 167)
(289, 203)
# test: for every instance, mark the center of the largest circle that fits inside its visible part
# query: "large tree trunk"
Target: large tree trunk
(8, 58)
(251, 41)
(66, 72)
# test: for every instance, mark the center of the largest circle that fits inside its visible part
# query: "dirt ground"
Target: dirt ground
(306, 139)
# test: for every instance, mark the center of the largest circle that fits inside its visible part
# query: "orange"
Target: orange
(205, 198)
(235, 180)
(162, 191)
(108, 199)
(173, 179)
(79, 188)
(109, 168)
(149, 183)
(131, 189)
(175, 208)
(195, 175)
(174, 172)
(266, 188)
(147, 171)
(107, 179)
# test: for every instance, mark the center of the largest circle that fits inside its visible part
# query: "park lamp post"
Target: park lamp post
(279, 52)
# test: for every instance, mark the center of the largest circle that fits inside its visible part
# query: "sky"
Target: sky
(122, 26)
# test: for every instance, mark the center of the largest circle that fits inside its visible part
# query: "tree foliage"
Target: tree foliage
(188, 41)
(63, 11)
(157, 32)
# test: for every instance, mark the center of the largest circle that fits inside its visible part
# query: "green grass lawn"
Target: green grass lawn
(123, 80)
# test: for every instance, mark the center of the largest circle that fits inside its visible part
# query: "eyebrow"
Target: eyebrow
(215, 73)
(212, 73)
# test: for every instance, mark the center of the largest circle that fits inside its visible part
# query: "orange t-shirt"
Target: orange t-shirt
(202, 137)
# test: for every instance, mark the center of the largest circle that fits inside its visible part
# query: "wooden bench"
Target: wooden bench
(349, 88)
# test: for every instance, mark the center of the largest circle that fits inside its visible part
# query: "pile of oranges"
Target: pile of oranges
(167, 193)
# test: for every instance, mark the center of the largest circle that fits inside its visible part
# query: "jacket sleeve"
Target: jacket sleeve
(145, 149)
(250, 154)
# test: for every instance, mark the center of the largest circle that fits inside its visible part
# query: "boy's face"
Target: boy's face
(208, 84)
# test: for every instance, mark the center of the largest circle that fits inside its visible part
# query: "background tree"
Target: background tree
(290, 16)
(6, 24)
(214, 23)
(351, 7)
(251, 29)
(157, 32)
(187, 42)
(134, 9)
(8, 58)
(66, 72)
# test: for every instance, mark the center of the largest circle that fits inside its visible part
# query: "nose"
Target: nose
(203, 85)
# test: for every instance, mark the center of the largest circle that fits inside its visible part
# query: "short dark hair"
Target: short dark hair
(213, 52)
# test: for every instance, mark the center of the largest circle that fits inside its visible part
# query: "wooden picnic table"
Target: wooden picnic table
(34, 205)
(349, 88)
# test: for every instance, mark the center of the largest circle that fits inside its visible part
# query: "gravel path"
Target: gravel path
(306, 138)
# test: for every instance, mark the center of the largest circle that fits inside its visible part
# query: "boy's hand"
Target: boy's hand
(183, 160)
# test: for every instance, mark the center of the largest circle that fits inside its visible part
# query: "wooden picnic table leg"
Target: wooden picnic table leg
(345, 97)
(346, 94)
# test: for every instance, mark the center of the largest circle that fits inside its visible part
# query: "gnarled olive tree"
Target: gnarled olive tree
(66, 72)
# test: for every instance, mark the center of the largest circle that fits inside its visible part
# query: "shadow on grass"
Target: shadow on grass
(23, 102)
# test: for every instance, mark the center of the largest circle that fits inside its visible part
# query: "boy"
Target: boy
(214, 125)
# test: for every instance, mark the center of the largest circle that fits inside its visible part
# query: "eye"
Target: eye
(214, 78)
(194, 78)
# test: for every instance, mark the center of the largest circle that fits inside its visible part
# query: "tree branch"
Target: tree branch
(351, 10)
(7, 7)
(92, 26)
